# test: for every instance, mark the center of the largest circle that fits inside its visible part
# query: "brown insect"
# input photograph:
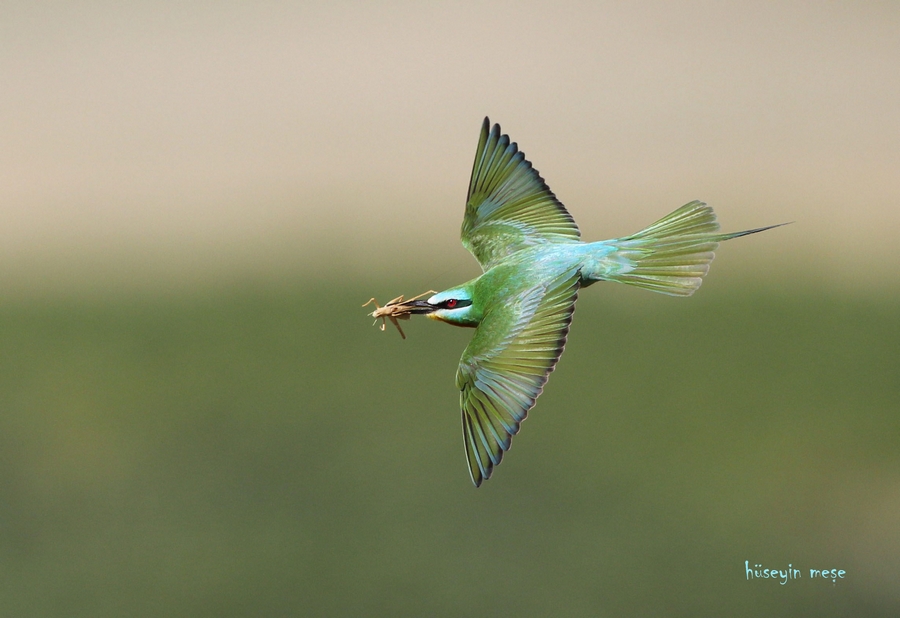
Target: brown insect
(399, 309)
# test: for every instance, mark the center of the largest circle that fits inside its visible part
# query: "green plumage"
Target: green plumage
(534, 264)
(505, 366)
(509, 207)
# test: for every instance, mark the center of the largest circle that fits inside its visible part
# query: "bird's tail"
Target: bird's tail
(672, 255)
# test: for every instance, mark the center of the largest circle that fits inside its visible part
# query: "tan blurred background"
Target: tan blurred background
(178, 437)
(156, 141)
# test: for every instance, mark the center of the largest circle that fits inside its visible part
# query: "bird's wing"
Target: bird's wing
(509, 206)
(505, 366)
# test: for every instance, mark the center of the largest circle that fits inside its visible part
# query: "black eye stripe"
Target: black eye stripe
(455, 303)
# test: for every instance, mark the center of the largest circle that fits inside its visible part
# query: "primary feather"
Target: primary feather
(509, 206)
(506, 365)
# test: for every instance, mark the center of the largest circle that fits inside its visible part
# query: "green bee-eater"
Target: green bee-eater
(534, 263)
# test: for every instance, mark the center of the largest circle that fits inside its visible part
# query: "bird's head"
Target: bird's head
(453, 306)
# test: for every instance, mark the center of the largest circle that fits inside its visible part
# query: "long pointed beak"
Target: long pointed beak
(421, 307)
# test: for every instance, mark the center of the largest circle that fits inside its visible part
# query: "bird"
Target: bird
(534, 264)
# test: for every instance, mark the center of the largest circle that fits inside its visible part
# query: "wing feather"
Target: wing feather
(501, 374)
(509, 206)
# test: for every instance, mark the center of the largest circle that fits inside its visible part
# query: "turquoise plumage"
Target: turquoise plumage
(534, 264)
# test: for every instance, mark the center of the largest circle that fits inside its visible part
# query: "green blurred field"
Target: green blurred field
(264, 451)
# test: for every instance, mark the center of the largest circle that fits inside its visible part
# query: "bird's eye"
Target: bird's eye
(454, 303)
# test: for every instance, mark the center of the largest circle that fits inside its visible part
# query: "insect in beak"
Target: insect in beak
(399, 309)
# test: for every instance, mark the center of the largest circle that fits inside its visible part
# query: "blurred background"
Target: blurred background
(197, 418)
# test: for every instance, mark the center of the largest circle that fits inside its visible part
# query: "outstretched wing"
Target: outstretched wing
(505, 367)
(509, 206)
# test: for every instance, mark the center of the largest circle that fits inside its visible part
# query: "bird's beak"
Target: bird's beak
(420, 307)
